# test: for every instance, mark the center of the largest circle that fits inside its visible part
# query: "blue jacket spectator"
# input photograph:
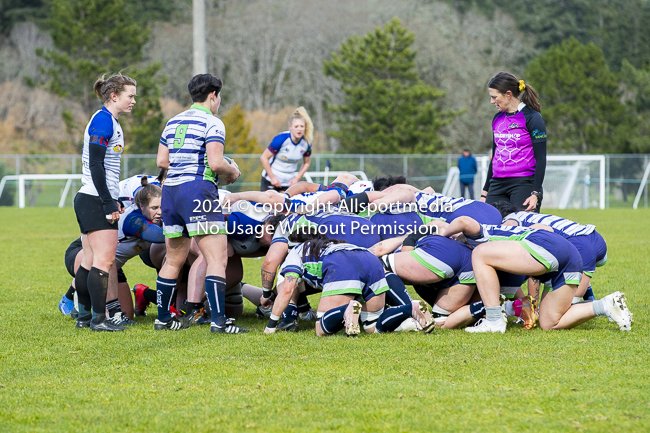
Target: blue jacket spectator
(467, 168)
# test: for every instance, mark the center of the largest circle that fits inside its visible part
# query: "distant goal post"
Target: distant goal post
(568, 183)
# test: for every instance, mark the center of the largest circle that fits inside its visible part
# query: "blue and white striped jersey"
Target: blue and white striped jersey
(562, 226)
(186, 136)
(499, 233)
(104, 130)
(432, 206)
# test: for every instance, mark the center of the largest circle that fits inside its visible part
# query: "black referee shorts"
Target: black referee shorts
(90, 214)
(515, 190)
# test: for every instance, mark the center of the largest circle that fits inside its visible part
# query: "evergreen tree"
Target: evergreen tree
(580, 99)
(92, 38)
(387, 108)
(637, 95)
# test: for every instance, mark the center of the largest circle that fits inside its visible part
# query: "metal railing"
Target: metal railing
(623, 174)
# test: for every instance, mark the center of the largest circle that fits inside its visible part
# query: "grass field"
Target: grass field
(54, 377)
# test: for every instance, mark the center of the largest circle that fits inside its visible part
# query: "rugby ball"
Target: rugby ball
(230, 160)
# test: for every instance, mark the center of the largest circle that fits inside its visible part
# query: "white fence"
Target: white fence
(621, 175)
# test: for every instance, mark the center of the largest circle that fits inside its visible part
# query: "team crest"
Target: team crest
(118, 148)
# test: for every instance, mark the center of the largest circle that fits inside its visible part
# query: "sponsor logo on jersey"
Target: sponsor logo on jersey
(513, 126)
(198, 218)
(117, 148)
(516, 136)
(537, 134)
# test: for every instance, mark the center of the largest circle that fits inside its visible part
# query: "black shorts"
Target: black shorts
(90, 214)
(146, 259)
(71, 255)
(266, 185)
(121, 278)
(515, 190)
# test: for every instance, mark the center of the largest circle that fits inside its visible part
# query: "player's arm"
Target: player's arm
(302, 187)
(139, 226)
(488, 178)
(306, 161)
(542, 227)
(285, 292)
(464, 224)
(273, 259)
(266, 165)
(387, 246)
(162, 158)
(220, 166)
(100, 132)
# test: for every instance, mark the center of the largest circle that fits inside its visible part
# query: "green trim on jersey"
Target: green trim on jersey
(208, 174)
(200, 107)
(341, 292)
(535, 255)
(314, 268)
(427, 265)
(589, 274)
(426, 219)
(295, 275)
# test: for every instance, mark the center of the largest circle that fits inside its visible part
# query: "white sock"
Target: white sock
(510, 311)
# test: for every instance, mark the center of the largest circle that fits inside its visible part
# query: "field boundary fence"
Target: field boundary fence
(621, 175)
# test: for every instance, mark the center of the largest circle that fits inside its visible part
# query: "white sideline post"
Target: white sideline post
(21, 178)
(643, 185)
(310, 175)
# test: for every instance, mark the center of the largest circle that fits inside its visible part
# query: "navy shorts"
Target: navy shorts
(356, 272)
(447, 258)
(510, 283)
(192, 209)
(592, 249)
(561, 259)
(356, 230)
(394, 225)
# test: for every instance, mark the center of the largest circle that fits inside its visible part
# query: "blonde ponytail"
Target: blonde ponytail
(301, 113)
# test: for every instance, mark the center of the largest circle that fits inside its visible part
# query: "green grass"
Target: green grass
(54, 377)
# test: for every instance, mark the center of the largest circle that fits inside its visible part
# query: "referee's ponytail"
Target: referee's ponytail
(504, 81)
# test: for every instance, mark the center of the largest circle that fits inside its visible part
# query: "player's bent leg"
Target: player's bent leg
(333, 319)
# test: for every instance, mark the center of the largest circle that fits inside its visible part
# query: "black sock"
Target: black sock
(149, 295)
(189, 306)
(70, 293)
(397, 295)
(83, 297)
(97, 288)
(113, 307)
(303, 303)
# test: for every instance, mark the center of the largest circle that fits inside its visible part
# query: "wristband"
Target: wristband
(272, 323)
(483, 196)
(266, 294)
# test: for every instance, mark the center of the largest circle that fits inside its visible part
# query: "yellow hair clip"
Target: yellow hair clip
(522, 86)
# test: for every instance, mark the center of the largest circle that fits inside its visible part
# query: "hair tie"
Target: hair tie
(522, 85)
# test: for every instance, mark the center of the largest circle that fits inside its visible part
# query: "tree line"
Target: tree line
(377, 77)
